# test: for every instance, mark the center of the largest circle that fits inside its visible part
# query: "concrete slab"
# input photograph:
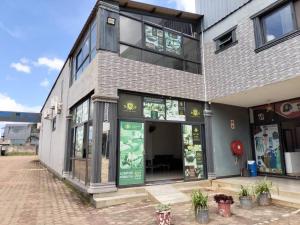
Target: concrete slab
(167, 194)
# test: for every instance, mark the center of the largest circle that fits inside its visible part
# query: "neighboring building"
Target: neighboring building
(141, 99)
(21, 134)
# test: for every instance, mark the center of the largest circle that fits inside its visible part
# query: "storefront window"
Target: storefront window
(79, 142)
(173, 43)
(154, 38)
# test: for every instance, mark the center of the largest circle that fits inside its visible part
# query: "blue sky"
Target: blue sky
(35, 39)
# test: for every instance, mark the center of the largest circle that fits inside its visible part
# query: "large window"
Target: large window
(277, 24)
(86, 51)
(82, 132)
(142, 40)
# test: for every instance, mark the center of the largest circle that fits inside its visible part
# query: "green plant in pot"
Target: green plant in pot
(263, 192)
(224, 204)
(245, 197)
(200, 204)
(163, 214)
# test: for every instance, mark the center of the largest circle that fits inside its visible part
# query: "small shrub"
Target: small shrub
(245, 191)
(263, 186)
(199, 200)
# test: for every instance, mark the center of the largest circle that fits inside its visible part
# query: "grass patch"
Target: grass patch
(20, 154)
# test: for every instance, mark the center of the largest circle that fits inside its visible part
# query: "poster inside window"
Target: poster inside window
(175, 110)
(173, 43)
(154, 108)
(154, 38)
(193, 156)
(267, 149)
(131, 166)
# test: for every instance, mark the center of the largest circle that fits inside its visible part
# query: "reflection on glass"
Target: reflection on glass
(79, 114)
(79, 142)
(191, 49)
(85, 111)
(130, 31)
(173, 43)
(130, 53)
(154, 38)
(105, 158)
(278, 23)
(191, 67)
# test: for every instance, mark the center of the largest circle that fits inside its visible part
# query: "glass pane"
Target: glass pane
(130, 31)
(193, 154)
(173, 63)
(153, 58)
(90, 141)
(86, 48)
(191, 49)
(191, 67)
(278, 23)
(79, 111)
(85, 111)
(173, 43)
(93, 36)
(78, 60)
(297, 10)
(154, 38)
(131, 163)
(91, 109)
(79, 142)
(267, 149)
(130, 53)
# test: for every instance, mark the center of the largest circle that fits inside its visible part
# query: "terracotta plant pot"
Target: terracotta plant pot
(224, 209)
(246, 202)
(163, 218)
(264, 199)
(202, 216)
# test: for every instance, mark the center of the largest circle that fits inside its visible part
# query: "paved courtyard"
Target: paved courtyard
(29, 194)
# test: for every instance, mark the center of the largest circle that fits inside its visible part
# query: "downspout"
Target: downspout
(203, 61)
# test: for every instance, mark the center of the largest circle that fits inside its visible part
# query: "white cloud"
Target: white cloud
(45, 83)
(9, 104)
(52, 64)
(21, 67)
(185, 5)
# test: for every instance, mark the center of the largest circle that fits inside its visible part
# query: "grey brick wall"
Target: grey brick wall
(117, 73)
(239, 68)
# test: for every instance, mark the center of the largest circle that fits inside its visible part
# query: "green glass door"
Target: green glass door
(192, 152)
(131, 158)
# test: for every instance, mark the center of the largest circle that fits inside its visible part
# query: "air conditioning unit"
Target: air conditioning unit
(58, 108)
(48, 114)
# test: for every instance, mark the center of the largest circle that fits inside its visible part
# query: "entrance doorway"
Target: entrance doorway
(163, 151)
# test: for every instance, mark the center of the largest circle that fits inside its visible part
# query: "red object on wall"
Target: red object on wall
(237, 148)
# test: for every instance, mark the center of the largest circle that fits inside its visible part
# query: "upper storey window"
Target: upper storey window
(86, 52)
(226, 40)
(277, 23)
(142, 38)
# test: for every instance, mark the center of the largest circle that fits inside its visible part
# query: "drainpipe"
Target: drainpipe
(207, 117)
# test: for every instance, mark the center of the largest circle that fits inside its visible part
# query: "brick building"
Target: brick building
(151, 94)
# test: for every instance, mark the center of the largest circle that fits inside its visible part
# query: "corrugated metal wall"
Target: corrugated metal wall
(215, 10)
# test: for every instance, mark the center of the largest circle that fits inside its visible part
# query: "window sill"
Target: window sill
(277, 41)
(223, 49)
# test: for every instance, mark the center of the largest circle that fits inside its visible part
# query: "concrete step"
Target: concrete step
(121, 191)
(280, 199)
(118, 198)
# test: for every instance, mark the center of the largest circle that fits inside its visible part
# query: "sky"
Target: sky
(35, 39)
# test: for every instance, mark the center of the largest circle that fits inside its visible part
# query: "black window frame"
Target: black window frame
(234, 41)
(164, 53)
(259, 29)
(76, 67)
(54, 120)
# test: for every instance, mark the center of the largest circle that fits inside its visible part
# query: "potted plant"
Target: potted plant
(263, 192)
(200, 204)
(245, 197)
(224, 203)
(163, 214)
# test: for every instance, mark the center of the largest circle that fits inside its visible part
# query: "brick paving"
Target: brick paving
(29, 194)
